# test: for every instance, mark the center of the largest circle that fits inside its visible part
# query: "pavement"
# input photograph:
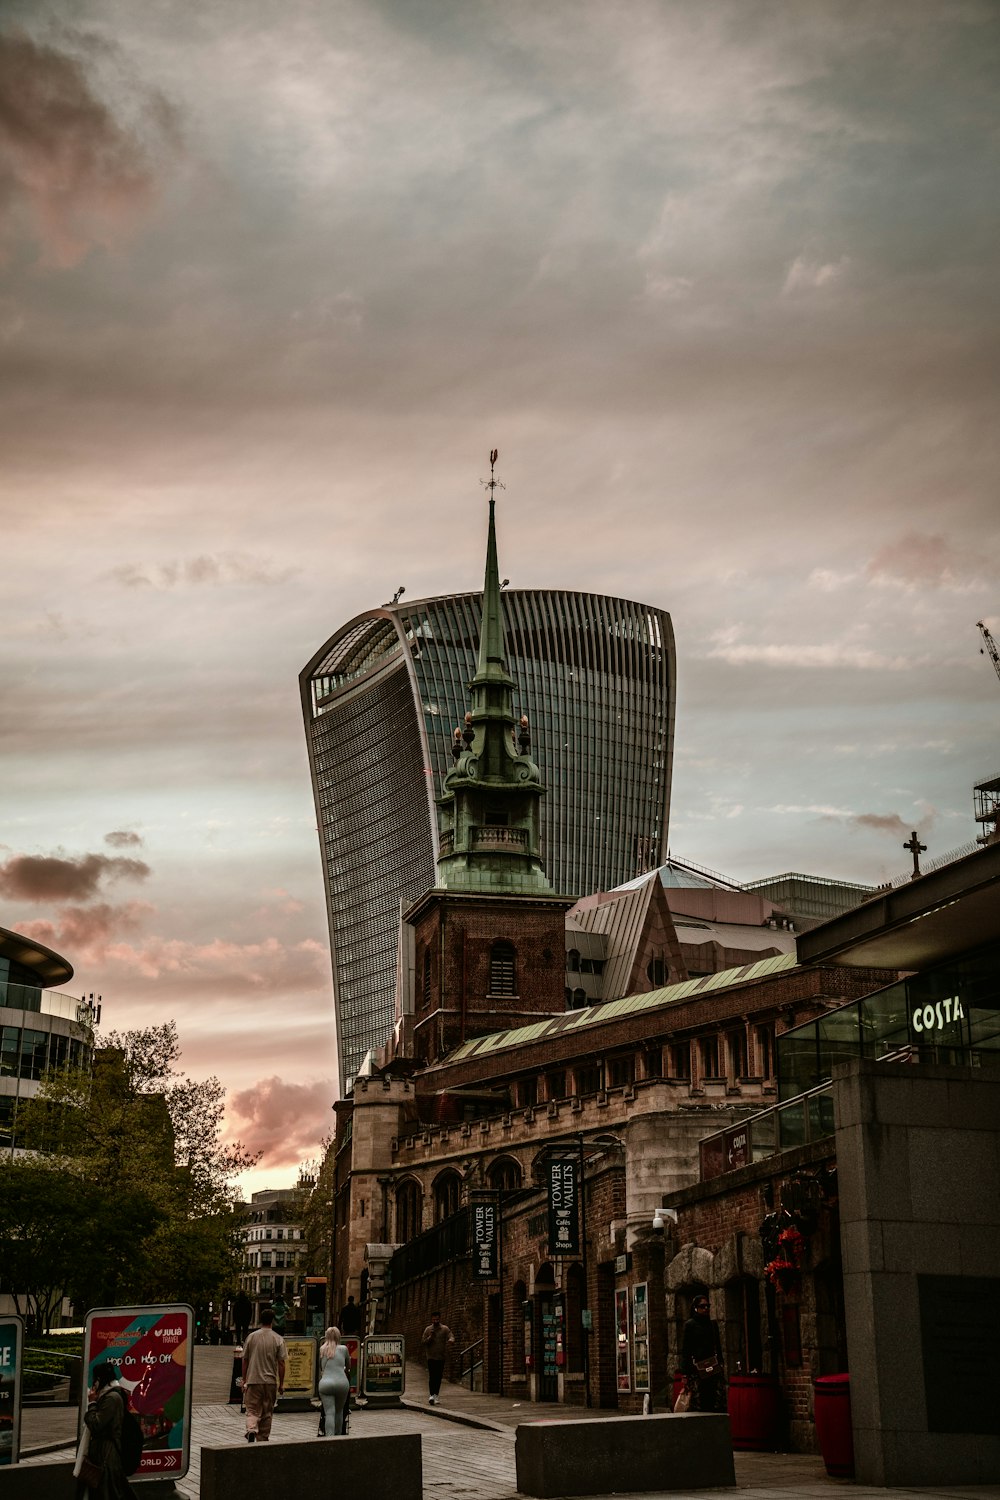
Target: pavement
(455, 1468)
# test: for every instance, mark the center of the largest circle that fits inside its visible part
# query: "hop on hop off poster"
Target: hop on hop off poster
(152, 1348)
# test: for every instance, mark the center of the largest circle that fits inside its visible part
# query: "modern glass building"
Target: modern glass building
(594, 674)
(39, 1029)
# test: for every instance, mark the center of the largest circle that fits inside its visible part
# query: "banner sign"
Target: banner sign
(484, 1240)
(152, 1349)
(385, 1366)
(11, 1364)
(300, 1368)
(564, 1221)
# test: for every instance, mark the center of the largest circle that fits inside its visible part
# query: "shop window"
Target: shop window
(503, 969)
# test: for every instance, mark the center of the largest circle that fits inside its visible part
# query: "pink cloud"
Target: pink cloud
(85, 933)
(286, 1121)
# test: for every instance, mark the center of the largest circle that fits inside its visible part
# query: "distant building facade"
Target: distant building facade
(380, 699)
(274, 1250)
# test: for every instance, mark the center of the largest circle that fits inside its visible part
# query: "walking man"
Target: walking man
(437, 1337)
(264, 1358)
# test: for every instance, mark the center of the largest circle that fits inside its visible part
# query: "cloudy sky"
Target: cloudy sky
(718, 280)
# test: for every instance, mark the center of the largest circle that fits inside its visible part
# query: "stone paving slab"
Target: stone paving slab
(462, 1463)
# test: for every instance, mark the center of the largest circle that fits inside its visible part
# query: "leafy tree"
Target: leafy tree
(147, 1140)
(316, 1212)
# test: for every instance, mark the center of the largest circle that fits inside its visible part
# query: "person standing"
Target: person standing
(350, 1317)
(264, 1357)
(334, 1382)
(104, 1419)
(437, 1337)
(701, 1359)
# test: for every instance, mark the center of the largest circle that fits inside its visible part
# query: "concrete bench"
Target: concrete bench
(37, 1481)
(320, 1466)
(687, 1451)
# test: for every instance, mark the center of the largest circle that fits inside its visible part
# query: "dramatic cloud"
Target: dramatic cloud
(82, 176)
(123, 839)
(39, 877)
(232, 568)
(284, 1120)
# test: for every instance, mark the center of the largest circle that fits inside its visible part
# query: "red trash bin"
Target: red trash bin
(832, 1410)
(754, 1413)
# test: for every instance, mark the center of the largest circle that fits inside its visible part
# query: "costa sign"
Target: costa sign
(935, 1017)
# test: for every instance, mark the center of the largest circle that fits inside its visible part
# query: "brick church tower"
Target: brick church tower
(490, 948)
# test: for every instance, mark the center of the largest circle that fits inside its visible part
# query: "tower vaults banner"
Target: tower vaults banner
(484, 1240)
(564, 1215)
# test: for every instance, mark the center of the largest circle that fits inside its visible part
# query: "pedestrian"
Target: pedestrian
(437, 1337)
(242, 1313)
(350, 1317)
(701, 1359)
(99, 1471)
(264, 1357)
(334, 1382)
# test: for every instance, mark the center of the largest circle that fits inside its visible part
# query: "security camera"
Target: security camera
(660, 1215)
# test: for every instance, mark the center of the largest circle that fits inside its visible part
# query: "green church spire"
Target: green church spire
(489, 810)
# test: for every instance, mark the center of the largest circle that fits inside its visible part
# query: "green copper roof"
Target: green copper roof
(631, 1005)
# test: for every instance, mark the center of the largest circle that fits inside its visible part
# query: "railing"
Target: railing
(447, 1241)
(499, 836)
(446, 841)
(47, 1385)
(470, 1362)
(30, 997)
(796, 1122)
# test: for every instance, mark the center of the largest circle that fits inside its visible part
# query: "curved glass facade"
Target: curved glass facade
(594, 674)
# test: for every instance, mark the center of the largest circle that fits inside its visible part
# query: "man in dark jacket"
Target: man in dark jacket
(437, 1337)
(701, 1359)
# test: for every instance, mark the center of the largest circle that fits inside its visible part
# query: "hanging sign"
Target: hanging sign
(11, 1362)
(564, 1218)
(484, 1240)
(151, 1347)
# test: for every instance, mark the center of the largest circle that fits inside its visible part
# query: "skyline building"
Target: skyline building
(381, 699)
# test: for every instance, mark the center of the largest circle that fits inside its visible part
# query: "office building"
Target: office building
(381, 700)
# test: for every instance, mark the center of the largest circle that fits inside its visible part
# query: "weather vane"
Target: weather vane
(492, 483)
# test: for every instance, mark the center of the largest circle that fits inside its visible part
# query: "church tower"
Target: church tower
(490, 937)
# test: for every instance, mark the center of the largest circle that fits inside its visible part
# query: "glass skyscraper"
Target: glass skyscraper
(595, 675)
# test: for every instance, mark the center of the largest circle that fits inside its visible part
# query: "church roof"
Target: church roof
(631, 1005)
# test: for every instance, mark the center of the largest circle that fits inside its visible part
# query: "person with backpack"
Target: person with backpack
(102, 1471)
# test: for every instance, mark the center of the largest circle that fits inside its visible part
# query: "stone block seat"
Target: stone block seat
(686, 1451)
(389, 1465)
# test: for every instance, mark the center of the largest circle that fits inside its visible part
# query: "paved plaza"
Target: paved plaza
(467, 1443)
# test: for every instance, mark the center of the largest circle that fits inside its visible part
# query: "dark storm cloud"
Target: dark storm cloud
(123, 839)
(37, 877)
(72, 173)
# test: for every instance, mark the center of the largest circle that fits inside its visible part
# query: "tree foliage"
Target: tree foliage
(136, 1161)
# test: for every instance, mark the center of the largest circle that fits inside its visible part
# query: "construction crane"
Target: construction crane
(989, 646)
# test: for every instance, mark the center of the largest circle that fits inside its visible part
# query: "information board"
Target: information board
(384, 1365)
(11, 1364)
(152, 1349)
(623, 1362)
(300, 1368)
